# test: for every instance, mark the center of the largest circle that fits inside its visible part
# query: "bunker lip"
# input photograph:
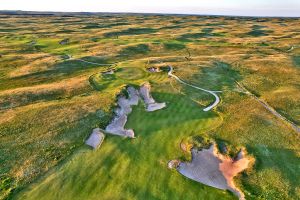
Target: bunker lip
(215, 170)
(151, 104)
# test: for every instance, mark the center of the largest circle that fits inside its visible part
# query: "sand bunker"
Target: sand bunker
(116, 127)
(151, 105)
(213, 169)
(154, 69)
(95, 139)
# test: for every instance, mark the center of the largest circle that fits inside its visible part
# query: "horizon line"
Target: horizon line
(146, 13)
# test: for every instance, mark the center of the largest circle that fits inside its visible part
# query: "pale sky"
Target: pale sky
(217, 7)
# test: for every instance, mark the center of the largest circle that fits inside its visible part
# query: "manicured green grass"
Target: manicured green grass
(137, 168)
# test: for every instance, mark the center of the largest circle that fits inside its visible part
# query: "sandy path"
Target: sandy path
(269, 108)
(217, 99)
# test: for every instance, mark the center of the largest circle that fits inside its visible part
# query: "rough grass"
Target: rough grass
(49, 104)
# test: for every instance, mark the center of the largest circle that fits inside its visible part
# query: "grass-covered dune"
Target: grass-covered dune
(53, 92)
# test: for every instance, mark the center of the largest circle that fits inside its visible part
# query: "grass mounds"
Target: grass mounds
(121, 76)
(94, 59)
(100, 26)
(130, 31)
(57, 72)
(206, 33)
(217, 76)
(188, 36)
(136, 49)
(258, 31)
(41, 93)
(174, 46)
(48, 107)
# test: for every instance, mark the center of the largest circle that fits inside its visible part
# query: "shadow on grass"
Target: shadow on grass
(174, 46)
(101, 25)
(296, 61)
(57, 72)
(217, 77)
(133, 50)
(206, 33)
(130, 31)
(257, 31)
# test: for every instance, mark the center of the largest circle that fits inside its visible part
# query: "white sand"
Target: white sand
(95, 139)
(151, 104)
(117, 125)
(212, 169)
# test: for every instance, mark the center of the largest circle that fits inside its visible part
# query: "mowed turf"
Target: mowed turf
(135, 168)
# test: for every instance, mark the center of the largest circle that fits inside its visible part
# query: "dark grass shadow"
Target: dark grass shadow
(258, 31)
(174, 46)
(133, 50)
(103, 25)
(192, 36)
(217, 77)
(296, 61)
(58, 71)
(130, 31)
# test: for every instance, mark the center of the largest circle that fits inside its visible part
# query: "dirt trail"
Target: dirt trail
(213, 169)
(269, 108)
(217, 99)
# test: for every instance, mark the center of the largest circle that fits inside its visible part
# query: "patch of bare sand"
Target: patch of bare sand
(95, 139)
(151, 104)
(117, 125)
(215, 170)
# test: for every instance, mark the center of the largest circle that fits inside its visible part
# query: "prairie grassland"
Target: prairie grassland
(50, 100)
